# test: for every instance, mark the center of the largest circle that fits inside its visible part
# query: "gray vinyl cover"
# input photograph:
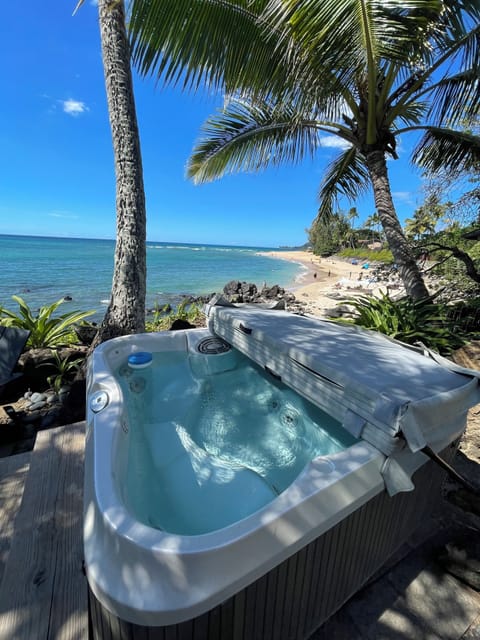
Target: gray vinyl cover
(392, 395)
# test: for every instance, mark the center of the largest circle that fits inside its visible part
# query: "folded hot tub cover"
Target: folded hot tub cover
(397, 397)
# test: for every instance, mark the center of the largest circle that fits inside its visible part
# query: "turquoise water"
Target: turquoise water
(208, 449)
(42, 270)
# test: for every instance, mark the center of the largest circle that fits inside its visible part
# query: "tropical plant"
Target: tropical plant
(425, 218)
(65, 368)
(126, 311)
(46, 329)
(352, 215)
(410, 321)
(164, 317)
(365, 71)
(372, 224)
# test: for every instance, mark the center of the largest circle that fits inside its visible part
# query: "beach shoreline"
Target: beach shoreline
(323, 279)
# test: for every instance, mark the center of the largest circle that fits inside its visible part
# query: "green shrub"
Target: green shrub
(466, 316)
(45, 329)
(384, 255)
(164, 317)
(65, 368)
(410, 321)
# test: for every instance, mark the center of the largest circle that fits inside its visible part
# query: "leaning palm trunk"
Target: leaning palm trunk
(399, 246)
(126, 311)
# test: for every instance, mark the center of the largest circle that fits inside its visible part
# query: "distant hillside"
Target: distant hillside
(305, 247)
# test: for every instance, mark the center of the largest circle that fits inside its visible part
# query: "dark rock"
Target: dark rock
(49, 419)
(181, 324)
(272, 292)
(73, 408)
(232, 287)
(240, 292)
(86, 333)
(340, 311)
(248, 289)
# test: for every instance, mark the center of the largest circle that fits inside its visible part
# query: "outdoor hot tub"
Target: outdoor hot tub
(245, 480)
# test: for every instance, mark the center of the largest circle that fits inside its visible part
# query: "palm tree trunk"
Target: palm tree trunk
(126, 312)
(399, 246)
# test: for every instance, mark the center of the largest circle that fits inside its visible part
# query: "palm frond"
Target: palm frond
(388, 29)
(447, 149)
(411, 113)
(249, 137)
(458, 17)
(222, 43)
(456, 98)
(456, 43)
(347, 175)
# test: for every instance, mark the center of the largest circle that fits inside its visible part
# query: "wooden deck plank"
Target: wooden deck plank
(13, 473)
(43, 594)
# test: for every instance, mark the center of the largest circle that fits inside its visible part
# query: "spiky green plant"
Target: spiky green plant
(410, 321)
(64, 370)
(46, 330)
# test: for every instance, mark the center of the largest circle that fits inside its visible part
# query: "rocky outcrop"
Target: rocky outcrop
(238, 291)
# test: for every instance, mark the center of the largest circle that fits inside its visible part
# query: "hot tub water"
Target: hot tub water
(213, 438)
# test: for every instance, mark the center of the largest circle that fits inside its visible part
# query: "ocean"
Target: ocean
(42, 270)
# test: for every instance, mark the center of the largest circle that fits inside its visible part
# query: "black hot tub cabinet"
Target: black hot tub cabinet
(285, 569)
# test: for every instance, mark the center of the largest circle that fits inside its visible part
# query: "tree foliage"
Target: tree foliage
(292, 71)
(331, 235)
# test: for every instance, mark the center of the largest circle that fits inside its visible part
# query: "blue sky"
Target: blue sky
(56, 165)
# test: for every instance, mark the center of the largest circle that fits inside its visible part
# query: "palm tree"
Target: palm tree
(126, 311)
(425, 218)
(372, 224)
(352, 215)
(365, 71)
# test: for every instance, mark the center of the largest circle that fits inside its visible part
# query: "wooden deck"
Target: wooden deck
(43, 589)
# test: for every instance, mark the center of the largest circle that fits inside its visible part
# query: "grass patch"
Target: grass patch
(384, 255)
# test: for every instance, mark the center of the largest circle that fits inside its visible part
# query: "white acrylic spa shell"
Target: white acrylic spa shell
(377, 388)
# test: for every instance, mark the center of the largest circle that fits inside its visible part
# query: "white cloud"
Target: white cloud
(334, 142)
(63, 214)
(73, 107)
(404, 196)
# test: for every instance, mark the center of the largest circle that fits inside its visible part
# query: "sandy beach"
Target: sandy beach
(324, 279)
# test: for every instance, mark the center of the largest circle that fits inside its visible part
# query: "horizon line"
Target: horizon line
(196, 244)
